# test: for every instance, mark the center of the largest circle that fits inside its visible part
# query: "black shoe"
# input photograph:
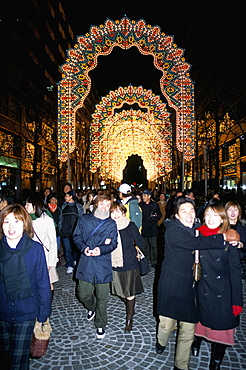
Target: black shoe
(159, 349)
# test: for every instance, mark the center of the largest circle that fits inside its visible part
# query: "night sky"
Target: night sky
(211, 32)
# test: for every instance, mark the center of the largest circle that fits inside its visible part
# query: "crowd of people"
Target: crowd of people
(97, 232)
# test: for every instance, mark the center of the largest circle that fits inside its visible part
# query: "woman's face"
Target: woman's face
(186, 214)
(117, 214)
(212, 219)
(53, 200)
(233, 214)
(13, 228)
(29, 207)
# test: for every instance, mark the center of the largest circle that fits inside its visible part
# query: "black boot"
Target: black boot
(195, 348)
(217, 355)
(130, 304)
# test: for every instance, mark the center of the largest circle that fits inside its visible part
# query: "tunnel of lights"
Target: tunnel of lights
(116, 136)
(175, 84)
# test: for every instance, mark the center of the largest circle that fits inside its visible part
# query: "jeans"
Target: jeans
(69, 252)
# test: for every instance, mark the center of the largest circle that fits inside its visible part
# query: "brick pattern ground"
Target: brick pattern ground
(73, 344)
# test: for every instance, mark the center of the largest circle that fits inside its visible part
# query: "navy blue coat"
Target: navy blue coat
(219, 288)
(38, 305)
(176, 294)
(97, 269)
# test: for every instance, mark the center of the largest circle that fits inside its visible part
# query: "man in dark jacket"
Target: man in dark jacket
(150, 215)
(96, 237)
(70, 213)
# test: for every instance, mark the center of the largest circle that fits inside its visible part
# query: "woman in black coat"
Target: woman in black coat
(176, 294)
(126, 277)
(219, 289)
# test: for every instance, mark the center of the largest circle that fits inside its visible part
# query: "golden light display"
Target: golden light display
(115, 137)
(175, 83)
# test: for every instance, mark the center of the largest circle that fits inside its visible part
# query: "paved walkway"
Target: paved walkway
(73, 344)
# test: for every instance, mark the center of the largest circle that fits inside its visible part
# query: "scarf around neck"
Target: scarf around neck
(117, 254)
(13, 271)
(100, 214)
(206, 231)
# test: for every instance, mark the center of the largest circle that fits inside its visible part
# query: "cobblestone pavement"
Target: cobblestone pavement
(73, 343)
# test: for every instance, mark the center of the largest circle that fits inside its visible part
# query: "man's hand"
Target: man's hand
(92, 252)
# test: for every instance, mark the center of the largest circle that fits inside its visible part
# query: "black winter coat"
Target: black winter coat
(176, 295)
(97, 269)
(149, 220)
(129, 235)
(219, 288)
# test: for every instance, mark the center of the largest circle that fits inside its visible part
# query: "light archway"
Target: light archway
(133, 132)
(175, 83)
(155, 123)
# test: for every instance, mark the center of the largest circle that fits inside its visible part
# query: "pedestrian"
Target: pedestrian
(234, 213)
(71, 210)
(220, 298)
(24, 287)
(133, 211)
(95, 237)
(176, 293)
(44, 233)
(150, 215)
(126, 276)
(55, 211)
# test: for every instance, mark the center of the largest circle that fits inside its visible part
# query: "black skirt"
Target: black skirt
(126, 283)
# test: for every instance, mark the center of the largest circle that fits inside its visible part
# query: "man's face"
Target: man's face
(67, 188)
(146, 198)
(104, 205)
(46, 192)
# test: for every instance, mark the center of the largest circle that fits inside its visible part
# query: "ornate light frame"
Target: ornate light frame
(175, 83)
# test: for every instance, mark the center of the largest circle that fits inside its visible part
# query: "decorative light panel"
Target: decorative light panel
(175, 83)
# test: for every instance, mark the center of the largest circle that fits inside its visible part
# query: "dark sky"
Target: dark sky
(211, 32)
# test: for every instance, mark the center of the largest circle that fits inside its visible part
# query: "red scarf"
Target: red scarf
(52, 207)
(204, 230)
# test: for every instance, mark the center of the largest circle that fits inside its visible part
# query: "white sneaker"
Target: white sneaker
(100, 333)
(69, 270)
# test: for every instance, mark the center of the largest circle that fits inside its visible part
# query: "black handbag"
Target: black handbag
(143, 264)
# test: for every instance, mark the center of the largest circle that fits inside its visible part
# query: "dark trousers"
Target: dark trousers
(150, 249)
(69, 252)
(15, 341)
(95, 298)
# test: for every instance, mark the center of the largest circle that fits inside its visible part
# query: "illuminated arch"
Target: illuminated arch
(133, 132)
(175, 83)
(156, 120)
